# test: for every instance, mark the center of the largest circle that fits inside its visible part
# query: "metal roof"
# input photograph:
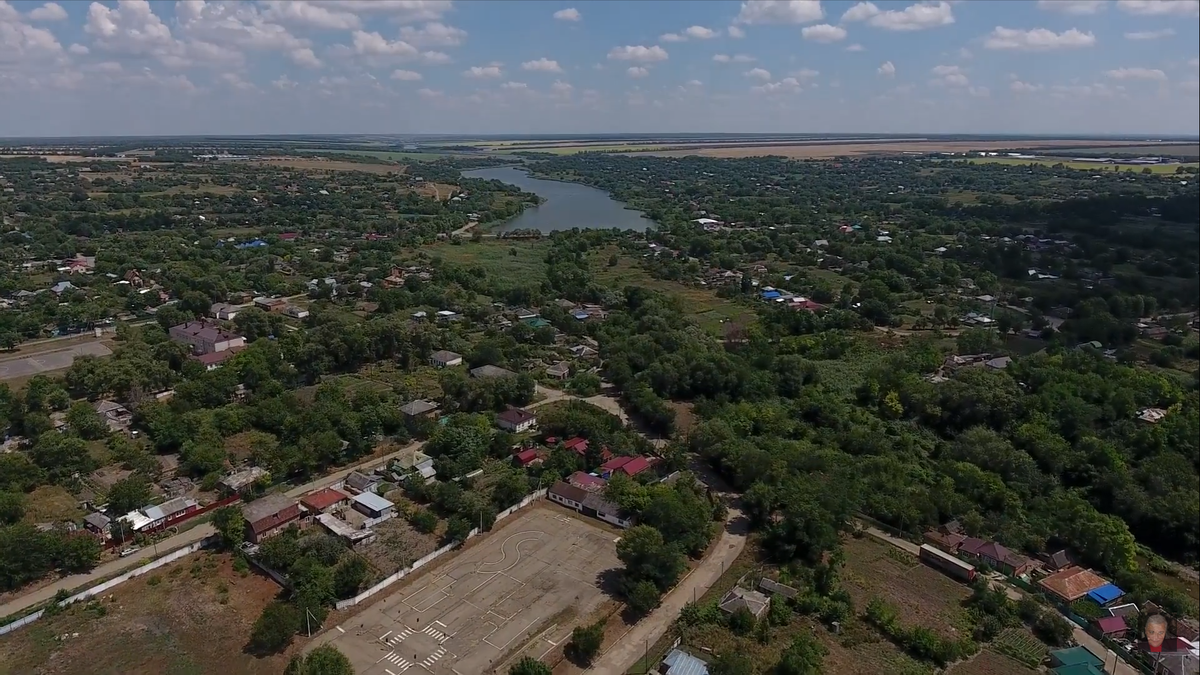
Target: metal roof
(373, 501)
(679, 662)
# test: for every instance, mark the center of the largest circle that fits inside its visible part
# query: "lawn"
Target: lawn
(51, 503)
(191, 618)
(390, 156)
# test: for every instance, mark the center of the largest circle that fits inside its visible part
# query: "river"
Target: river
(567, 205)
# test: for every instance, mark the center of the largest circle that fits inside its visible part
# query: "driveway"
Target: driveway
(634, 644)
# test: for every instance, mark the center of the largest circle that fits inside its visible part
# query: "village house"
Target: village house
(739, 598)
(489, 372)
(996, 555)
(223, 311)
(445, 359)
(559, 371)
(269, 516)
(419, 408)
(324, 501)
(526, 458)
(630, 466)
(1071, 583)
(372, 505)
(516, 420)
(235, 482)
(568, 495)
(114, 415)
(270, 304)
(358, 482)
(205, 337)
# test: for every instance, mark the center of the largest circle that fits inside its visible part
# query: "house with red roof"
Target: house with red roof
(996, 555)
(324, 501)
(288, 236)
(526, 458)
(576, 445)
(586, 481)
(630, 466)
(1112, 626)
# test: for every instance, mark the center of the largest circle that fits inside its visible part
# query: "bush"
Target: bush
(742, 622)
(585, 642)
(275, 627)
(424, 521)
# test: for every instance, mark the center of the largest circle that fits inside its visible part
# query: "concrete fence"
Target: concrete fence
(350, 602)
(116, 581)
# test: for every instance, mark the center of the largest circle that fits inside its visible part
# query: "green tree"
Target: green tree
(275, 627)
(83, 419)
(732, 663)
(423, 520)
(12, 507)
(585, 642)
(529, 666)
(741, 622)
(231, 525)
(803, 657)
(127, 494)
(647, 557)
(349, 576)
(643, 597)
(323, 660)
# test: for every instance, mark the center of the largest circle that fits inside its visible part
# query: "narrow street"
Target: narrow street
(624, 654)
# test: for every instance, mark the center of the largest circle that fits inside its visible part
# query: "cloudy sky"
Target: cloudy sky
(563, 66)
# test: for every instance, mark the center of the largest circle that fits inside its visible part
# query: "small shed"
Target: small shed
(1105, 594)
(1112, 626)
(372, 505)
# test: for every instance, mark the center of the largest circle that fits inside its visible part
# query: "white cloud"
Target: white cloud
(700, 33)
(22, 43)
(824, 33)
(735, 32)
(561, 88)
(1150, 34)
(980, 92)
(949, 76)
(1075, 90)
(914, 17)
(1160, 7)
(1136, 74)
(569, 14)
(406, 75)
(480, 72)
(514, 86)
(671, 37)
(436, 58)
(786, 85)
(235, 81)
(1024, 87)
(433, 34)
(78, 49)
(401, 11)
(721, 58)
(131, 29)
(637, 71)
(1195, 63)
(542, 65)
(284, 83)
(887, 69)
(51, 11)
(805, 74)
(855, 48)
(304, 56)
(758, 74)
(374, 44)
(638, 54)
(779, 11)
(310, 15)
(1037, 39)
(429, 93)
(1075, 7)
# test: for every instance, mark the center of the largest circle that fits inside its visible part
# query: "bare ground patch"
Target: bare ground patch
(831, 150)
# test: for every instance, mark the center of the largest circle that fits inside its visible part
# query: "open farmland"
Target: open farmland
(831, 150)
(191, 617)
(532, 576)
(921, 595)
(316, 164)
(1082, 166)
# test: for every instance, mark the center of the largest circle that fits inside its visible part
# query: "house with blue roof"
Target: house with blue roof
(771, 295)
(257, 243)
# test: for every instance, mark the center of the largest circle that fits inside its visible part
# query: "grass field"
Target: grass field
(388, 155)
(191, 618)
(1164, 169)
(319, 164)
(495, 256)
(1165, 149)
(702, 304)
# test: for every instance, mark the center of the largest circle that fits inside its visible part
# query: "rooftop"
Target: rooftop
(373, 501)
(1072, 583)
(516, 416)
(490, 371)
(268, 507)
(323, 499)
(678, 662)
(418, 408)
(568, 491)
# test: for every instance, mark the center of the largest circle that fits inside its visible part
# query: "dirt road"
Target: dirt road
(625, 653)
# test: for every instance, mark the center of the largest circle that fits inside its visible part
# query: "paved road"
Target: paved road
(625, 653)
(116, 567)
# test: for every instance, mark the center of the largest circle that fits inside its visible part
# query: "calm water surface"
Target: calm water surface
(567, 205)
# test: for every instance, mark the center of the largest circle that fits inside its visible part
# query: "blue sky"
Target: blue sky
(441, 66)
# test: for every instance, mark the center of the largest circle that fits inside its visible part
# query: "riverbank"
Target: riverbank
(564, 205)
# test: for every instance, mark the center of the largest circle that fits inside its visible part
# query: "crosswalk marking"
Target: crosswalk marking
(399, 662)
(434, 657)
(435, 634)
(399, 637)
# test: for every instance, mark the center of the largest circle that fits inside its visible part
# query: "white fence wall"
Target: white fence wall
(350, 602)
(116, 581)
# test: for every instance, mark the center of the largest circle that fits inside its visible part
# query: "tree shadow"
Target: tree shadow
(609, 582)
(738, 526)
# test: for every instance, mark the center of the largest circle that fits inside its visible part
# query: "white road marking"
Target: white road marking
(340, 629)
